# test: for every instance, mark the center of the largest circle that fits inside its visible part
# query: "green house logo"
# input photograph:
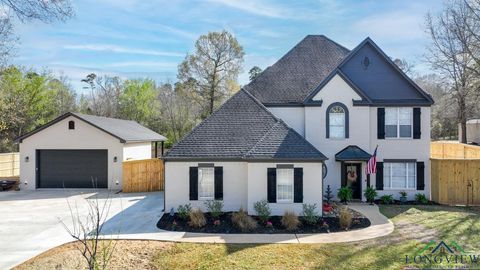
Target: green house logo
(443, 252)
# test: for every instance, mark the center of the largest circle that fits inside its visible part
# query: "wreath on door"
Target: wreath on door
(352, 176)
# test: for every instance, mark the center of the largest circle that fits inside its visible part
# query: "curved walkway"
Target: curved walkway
(380, 226)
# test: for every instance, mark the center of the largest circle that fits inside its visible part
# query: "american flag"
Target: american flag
(372, 163)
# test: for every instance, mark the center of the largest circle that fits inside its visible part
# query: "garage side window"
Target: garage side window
(71, 124)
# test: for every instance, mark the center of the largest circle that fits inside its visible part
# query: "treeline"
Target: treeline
(206, 77)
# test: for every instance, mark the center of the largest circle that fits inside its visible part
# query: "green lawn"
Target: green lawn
(415, 227)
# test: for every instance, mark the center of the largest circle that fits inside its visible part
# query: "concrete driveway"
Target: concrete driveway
(31, 221)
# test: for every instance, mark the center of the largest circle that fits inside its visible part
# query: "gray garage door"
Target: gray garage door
(72, 168)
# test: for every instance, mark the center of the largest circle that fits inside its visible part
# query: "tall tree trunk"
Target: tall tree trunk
(462, 111)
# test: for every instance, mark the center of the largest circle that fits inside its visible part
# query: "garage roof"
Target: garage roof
(124, 130)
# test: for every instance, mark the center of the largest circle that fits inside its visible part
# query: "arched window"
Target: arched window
(71, 124)
(337, 121)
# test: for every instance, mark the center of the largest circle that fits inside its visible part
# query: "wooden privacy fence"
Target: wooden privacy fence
(455, 181)
(9, 164)
(454, 150)
(143, 175)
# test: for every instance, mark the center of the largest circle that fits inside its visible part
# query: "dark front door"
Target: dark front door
(352, 178)
(72, 169)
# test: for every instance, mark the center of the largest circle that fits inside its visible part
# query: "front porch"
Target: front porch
(353, 160)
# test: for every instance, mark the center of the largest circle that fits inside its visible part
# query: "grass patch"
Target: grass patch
(415, 225)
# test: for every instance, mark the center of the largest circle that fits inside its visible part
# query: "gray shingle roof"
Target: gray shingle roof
(352, 153)
(299, 72)
(243, 129)
(128, 130)
(124, 130)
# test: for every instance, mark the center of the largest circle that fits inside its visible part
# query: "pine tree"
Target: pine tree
(328, 194)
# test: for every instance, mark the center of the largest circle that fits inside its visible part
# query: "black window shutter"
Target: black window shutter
(380, 123)
(218, 183)
(272, 185)
(193, 183)
(417, 130)
(379, 175)
(420, 175)
(298, 185)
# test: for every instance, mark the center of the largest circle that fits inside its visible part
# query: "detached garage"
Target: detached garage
(83, 151)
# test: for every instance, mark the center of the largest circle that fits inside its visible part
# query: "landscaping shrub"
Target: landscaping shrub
(243, 221)
(403, 196)
(345, 218)
(421, 198)
(215, 208)
(290, 221)
(386, 199)
(370, 194)
(263, 210)
(345, 194)
(184, 211)
(197, 218)
(310, 213)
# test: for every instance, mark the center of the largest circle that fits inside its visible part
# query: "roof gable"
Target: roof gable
(242, 128)
(373, 72)
(292, 78)
(124, 130)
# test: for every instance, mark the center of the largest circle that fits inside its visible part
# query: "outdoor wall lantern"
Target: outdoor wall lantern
(114, 159)
(27, 159)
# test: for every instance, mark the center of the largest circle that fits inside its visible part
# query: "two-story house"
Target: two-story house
(312, 119)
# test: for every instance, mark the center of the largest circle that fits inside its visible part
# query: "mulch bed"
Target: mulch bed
(398, 202)
(226, 225)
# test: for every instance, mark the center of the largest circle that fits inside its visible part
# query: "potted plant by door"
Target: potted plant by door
(370, 194)
(345, 194)
(403, 196)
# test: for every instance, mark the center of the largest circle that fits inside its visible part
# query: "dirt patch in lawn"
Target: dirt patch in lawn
(129, 254)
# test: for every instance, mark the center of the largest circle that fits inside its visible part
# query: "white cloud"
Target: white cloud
(256, 8)
(120, 49)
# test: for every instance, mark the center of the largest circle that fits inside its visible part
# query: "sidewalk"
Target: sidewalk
(380, 226)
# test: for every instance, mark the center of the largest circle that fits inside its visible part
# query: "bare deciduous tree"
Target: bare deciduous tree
(45, 11)
(87, 231)
(104, 95)
(213, 66)
(449, 54)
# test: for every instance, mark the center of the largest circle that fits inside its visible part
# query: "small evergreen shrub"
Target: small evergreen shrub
(345, 194)
(345, 218)
(184, 211)
(197, 219)
(243, 221)
(290, 221)
(215, 208)
(421, 198)
(370, 194)
(310, 214)
(386, 199)
(263, 210)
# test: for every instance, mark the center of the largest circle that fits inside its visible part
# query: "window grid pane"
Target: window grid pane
(399, 175)
(206, 183)
(285, 185)
(337, 122)
(398, 122)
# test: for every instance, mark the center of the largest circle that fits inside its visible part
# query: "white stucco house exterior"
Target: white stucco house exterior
(75, 148)
(311, 120)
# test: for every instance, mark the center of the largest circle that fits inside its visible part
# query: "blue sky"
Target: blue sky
(138, 38)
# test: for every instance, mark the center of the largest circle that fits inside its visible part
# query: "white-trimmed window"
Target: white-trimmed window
(400, 175)
(284, 184)
(398, 122)
(206, 183)
(336, 120)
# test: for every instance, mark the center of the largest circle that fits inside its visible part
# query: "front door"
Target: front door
(352, 175)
